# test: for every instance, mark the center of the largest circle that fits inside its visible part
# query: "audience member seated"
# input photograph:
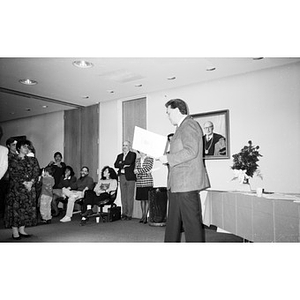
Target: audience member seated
(76, 191)
(103, 190)
(68, 180)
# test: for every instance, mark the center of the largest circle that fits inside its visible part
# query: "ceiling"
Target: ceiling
(62, 86)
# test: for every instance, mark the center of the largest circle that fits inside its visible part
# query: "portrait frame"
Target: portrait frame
(220, 120)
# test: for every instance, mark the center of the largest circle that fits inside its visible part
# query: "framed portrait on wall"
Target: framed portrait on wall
(215, 126)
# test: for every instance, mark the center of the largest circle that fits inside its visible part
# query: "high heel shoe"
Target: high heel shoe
(145, 221)
(24, 235)
(141, 220)
(16, 238)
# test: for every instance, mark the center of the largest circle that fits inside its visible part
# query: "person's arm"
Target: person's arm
(146, 166)
(3, 161)
(113, 187)
(190, 140)
(98, 189)
(119, 164)
(90, 183)
(130, 159)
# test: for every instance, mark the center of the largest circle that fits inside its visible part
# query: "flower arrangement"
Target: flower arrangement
(245, 163)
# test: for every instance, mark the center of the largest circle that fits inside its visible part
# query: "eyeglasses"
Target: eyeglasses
(208, 127)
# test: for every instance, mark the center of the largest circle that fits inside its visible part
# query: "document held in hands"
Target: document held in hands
(148, 142)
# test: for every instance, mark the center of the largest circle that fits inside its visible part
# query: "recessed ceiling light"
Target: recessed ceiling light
(257, 58)
(12, 113)
(28, 109)
(171, 78)
(85, 97)
(45, 106)
(138, 85)
(209, 69)
(82, 64)
(28, 81)
(110, 91)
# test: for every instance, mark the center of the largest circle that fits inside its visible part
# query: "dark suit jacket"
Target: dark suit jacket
(130, 161)
(187, 170)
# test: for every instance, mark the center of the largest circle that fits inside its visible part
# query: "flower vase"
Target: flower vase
(246, 187)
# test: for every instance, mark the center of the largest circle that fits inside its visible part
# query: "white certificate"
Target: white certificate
(148, 142)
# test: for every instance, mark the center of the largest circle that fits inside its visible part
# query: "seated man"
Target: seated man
(76, 191)
(104, 189)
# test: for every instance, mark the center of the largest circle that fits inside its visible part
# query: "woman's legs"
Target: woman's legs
(147, 202)
(143, 212)
(15, 232)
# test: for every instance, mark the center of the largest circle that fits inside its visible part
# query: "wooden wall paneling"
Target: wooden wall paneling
(90, 139)
(72, 137)
(134, 114)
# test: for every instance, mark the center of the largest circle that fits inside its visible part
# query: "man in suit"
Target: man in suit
(187, 175)
(214, 143)
(125, 163)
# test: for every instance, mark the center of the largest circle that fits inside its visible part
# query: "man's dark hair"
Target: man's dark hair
(10, 141)
(85, 167)
(178, 103)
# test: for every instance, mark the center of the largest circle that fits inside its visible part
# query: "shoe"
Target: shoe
(16, 238)
(65, 219)
(43, 221)
(24, 235)
(87, 213)
(48, 221)
(129, 218)
(145, 221)
(141, 220)
(83, 222)
(124, 218)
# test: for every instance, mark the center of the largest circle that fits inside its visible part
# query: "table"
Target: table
(271, 218)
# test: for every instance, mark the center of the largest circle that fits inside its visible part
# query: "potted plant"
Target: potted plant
(245, 163)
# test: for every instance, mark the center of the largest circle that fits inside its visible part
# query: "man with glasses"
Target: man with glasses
(76, 191)
(125, 163)
(214, 143)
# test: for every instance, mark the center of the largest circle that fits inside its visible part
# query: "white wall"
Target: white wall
(46, 132)
(263, 107)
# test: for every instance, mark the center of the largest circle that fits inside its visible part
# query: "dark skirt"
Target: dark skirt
(142, 193)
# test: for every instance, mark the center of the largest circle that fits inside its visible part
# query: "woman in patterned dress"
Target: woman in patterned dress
(21, 198)
(144, 182)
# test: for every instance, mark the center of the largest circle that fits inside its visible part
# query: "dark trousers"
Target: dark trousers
(90, 198)
(184, 211)
(127, 195)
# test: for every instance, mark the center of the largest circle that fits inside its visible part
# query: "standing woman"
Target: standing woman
(144, 182)
(21, 199)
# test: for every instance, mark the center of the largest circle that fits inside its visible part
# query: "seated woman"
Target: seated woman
(67, 180)
(103, 190)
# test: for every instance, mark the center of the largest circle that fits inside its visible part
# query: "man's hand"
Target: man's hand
(163, 159)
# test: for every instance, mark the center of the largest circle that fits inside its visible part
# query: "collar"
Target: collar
(181, 120)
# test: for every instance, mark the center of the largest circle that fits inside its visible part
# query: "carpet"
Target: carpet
(109, 232)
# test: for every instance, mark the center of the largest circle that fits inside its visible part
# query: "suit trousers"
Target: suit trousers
(127, 188)
(184, 211)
